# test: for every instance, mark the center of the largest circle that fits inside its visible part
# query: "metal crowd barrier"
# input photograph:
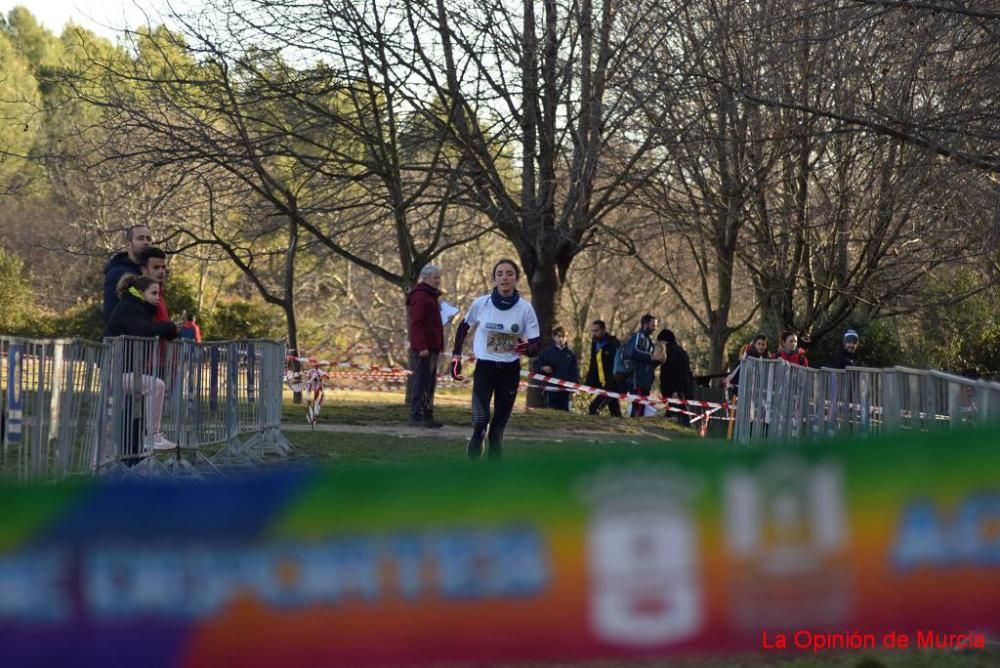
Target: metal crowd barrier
(50, 392)
(124, 405)
(782, 402)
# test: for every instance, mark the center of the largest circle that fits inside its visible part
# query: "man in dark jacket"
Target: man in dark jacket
(559, 362)
(137, 239)
(601, 372)
(426, 342)
(676, 379)
(848, 353)
(639, 350)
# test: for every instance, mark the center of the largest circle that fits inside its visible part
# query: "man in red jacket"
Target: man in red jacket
(426, 342)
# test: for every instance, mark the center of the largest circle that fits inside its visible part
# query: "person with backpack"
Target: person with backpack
(189, 328)
(636, 364)
(601, 372)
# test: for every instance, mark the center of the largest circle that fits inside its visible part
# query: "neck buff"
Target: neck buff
(501, 302)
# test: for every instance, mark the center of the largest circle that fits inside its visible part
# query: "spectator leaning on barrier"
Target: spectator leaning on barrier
(757, 349)
(133, 316)
(676, 379)
(789, 350)
(638, 350)
(558, 361)
(153, 263)
(189, 328)
(848, 353)
(426, 343)
(137, 239)
(506, 328)
(601, 373)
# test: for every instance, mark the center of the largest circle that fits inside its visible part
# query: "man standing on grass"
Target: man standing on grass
(601, 372)
(426, 343)
(639, 351)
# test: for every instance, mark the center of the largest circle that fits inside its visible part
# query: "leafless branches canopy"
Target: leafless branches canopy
(800, 163)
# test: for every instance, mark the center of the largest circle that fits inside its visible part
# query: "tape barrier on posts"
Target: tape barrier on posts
(608, 555)
(779, 401)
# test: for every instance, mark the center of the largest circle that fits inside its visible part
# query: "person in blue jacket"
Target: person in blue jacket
(558, 361)
(639, 349)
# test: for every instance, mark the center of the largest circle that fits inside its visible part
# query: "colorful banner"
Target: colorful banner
(673, 550)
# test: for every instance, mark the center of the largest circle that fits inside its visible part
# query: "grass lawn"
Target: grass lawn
(390, 439)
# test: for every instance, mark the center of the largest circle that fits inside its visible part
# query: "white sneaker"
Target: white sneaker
(161, 442)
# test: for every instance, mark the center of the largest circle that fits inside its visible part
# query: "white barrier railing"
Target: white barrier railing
(784, 402)
(79, 407)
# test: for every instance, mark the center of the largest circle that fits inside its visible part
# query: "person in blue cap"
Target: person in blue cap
(848, 353)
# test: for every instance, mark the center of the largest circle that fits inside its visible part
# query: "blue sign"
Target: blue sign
(15, 400)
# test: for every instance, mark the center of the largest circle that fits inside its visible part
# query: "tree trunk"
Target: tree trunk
(546, 295)
(718, 337)
(293, 343)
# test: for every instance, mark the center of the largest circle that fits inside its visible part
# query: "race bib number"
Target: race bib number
(500, 343)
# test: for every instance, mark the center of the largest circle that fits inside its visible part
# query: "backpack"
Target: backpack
(623, 367)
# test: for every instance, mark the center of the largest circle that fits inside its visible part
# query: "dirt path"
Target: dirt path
(461, 433)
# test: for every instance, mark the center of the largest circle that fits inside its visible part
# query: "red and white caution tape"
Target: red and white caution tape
(705, 405)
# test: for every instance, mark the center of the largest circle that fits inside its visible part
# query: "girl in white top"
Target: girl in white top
(506, 327)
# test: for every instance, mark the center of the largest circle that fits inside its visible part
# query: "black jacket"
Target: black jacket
(611, 345)
(134, 317)
(734, 384)
(675, 373)
(563, 363)
(119, 265)
(843, 359)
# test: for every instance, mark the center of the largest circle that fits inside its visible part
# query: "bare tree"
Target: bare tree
(929, 74)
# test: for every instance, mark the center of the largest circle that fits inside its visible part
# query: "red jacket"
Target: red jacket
(162, 312)
(798, 357)
(426, 331)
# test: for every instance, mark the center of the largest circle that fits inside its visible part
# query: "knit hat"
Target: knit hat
(851, 336)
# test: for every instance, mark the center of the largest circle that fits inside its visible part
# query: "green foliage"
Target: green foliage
(880, 344)
(240, 320)
(181, 296)
(39, 46)
(961, 337)
(19, 103)
(15, 294)
(84, 321)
